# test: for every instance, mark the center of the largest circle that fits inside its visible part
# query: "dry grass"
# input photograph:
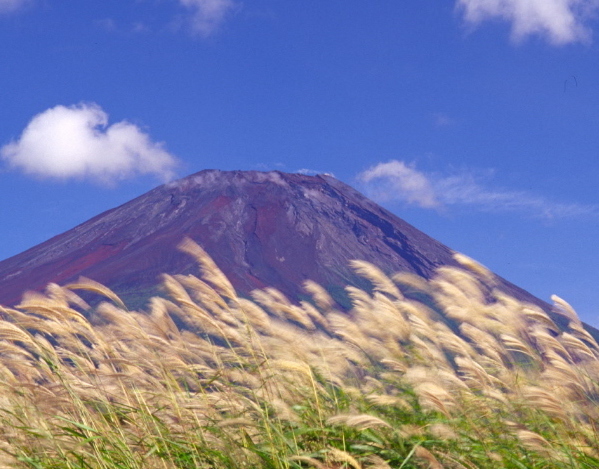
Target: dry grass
(204, 379)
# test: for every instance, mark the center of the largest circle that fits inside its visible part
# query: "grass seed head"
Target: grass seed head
(210, 271)
(340, 456)
(320, 296)
(376, 462)
(311, 461)
(564, 308)
(427, 457)
(90, 285)
(474, 266)
(361, 421)
(376, 276)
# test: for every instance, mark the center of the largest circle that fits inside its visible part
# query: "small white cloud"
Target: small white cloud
(208, 15)
(397, 181)
(559, 21)
(11, 5)
(77, 142)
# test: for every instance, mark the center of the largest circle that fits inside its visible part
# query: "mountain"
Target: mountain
(262, 229)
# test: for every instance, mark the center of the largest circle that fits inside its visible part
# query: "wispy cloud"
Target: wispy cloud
(208, 15)
(313, 172)
(77, 142)
(398, 181)
(559, 21)
(11, 5)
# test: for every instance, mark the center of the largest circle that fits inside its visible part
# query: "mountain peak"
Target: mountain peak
(261, 228)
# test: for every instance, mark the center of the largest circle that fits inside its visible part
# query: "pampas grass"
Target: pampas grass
(444, 373)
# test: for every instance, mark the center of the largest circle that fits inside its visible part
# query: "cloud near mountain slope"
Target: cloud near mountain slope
(77, 142)
(402, 182)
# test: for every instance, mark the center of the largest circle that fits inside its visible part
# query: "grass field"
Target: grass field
(461, 377)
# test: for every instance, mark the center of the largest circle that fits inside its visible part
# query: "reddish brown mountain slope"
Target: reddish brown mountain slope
(262, 229)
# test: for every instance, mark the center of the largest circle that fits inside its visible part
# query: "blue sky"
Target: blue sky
(476, 121)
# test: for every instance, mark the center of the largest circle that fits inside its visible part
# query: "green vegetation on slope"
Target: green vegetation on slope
(467, 378)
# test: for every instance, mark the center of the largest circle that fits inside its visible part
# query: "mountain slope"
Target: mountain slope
(262, 229)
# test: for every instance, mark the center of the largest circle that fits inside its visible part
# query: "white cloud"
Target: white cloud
(77, 142)
(208, 15)
(11, 5)
(397, 181)
(559, 21)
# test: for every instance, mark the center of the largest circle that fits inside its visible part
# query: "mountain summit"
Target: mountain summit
(262, 229)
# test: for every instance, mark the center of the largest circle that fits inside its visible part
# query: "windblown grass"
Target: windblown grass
(467, 378)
